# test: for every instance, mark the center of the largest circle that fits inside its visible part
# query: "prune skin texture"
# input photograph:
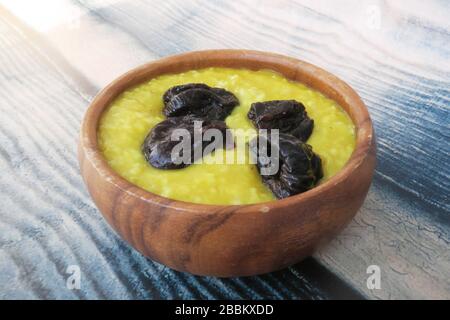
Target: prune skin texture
(300, 169)
(289, 116)
(198, 99)
(158, 145)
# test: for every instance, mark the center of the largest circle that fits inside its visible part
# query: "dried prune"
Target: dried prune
(298, 170)
(288, 116)
(160, 146)
(200, 100)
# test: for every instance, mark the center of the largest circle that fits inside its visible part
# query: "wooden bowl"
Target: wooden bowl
(229, 240)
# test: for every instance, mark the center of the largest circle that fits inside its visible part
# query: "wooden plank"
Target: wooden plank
(48, 221)
(398, 62)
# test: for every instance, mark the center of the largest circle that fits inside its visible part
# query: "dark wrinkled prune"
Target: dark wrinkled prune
(299, 167)
(288, 116)
(158, 145)
(199, 100)
(173, 91)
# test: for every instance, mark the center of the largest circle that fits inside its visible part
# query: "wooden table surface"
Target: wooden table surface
(56, 55)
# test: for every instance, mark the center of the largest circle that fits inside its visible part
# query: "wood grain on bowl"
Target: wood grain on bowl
(230, 240)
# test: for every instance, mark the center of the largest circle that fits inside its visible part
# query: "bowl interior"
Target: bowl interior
(291, 68)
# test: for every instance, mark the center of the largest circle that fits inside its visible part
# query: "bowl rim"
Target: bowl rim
(360, 117)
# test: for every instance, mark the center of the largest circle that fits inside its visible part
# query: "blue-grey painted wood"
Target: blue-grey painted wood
(394, 53)
(48, 221)
(392, 91)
